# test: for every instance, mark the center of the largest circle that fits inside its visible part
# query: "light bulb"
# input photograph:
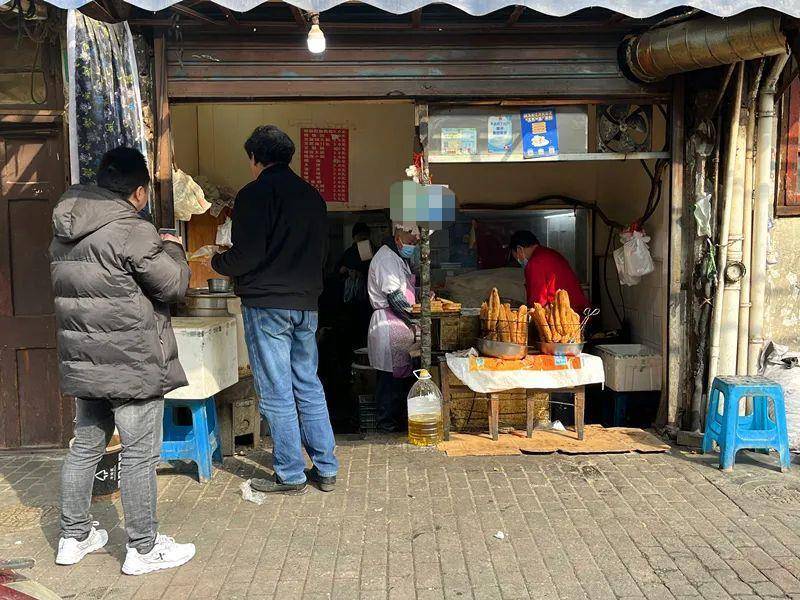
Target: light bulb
(316, 40)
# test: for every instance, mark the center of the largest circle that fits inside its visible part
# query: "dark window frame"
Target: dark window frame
(787, 197)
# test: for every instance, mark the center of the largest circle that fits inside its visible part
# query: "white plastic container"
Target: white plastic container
(631, 367)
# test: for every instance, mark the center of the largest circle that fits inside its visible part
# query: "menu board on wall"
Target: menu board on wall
(325, 161)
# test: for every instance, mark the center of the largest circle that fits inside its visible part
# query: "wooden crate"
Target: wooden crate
(454, 331)
(469, 410)
(469, 329)
(238, 415)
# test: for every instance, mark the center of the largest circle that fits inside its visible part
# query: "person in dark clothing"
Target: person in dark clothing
(113, 279)
(345, 312)
(353, 270)
(351, 259)
(279, 236)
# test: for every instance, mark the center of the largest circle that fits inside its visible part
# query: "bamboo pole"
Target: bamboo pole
(425, 292)
(747, 227)
(724, 230)
(731, 296)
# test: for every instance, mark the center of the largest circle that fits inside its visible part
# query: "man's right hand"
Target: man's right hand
(168, 237)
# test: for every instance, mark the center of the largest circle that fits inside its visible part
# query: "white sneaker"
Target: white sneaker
(166, 554)
(72, 551)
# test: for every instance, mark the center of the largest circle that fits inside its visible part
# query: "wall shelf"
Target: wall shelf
(582, 157)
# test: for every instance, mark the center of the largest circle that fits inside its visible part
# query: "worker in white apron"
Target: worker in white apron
(390, 286)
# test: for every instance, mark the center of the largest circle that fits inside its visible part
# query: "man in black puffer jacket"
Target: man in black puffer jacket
(113, 281)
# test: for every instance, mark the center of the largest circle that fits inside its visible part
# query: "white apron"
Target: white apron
(389, 339)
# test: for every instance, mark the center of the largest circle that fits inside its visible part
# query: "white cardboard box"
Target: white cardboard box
(208, 353)
(631, 367)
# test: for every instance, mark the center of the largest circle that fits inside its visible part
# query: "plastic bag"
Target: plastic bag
(203, 252)
(224, 233)
(619, 261)
(187, 196)
(783, 367)
(250, 495)
(638, 261)
(702, 215)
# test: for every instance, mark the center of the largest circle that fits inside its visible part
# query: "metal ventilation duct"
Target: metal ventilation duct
(701, 44)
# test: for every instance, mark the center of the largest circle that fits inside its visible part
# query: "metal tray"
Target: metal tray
(505, 350)
(560, 349)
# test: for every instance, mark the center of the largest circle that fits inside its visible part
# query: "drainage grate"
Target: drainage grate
(18, 517)
(777, 493)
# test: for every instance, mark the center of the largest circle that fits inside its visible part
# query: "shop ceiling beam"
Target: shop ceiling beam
(101, 6)
(299, 18)
(110, 9)
(232, 20)
(515, 15)
(197, 16)
(427, 26)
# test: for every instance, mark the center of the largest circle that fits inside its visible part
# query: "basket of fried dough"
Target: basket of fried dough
(504, 330)
(559, 329)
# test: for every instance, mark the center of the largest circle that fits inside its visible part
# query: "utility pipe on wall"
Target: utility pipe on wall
(747, 226)
(701, 44)
(764, 195)
(724, 230)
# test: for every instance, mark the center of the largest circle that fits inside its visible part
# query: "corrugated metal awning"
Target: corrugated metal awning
(639, 9)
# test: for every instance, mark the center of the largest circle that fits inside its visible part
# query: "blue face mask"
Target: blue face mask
(523, 263)
(407, 251)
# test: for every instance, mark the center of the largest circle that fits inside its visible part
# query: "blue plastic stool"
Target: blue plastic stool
(734, 432)
(198, 442)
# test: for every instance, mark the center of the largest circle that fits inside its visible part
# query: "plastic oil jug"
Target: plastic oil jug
(425, 425)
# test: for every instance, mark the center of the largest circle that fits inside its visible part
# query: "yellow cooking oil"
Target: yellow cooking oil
(425, 425)
(425, 429)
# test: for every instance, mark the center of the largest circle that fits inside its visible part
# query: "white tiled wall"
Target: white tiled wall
(621, 195)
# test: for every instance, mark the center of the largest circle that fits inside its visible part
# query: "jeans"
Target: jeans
(139, 423)
(283, 356)
(391, 402)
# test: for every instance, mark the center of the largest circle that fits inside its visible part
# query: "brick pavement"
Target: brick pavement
(411, 523)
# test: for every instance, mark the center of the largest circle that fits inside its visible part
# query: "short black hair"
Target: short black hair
(268, 144)
(360, 228)
(523, 238)
(123, 170)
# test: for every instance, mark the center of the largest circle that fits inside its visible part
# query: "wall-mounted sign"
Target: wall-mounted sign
(325, 161)
(500, 135)
(539, 132)
(459, 141)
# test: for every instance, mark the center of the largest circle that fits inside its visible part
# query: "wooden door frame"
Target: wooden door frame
(40, 333)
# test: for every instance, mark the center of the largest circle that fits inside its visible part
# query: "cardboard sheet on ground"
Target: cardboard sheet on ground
(597, 440)
(487, 382)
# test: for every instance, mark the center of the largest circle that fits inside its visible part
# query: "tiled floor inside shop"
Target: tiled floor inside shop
(413, 523)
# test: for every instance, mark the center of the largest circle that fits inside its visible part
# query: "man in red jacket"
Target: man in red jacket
(545, 272)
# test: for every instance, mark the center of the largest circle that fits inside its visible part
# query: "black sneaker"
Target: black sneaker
(274, 486)
(326, 484)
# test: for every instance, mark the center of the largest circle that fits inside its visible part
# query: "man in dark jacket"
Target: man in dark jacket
(113, 279)
(279, 235)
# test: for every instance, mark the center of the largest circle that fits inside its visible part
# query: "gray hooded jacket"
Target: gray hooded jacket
(113, 280)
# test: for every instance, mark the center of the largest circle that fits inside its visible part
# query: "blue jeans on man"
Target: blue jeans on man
(283, 356)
